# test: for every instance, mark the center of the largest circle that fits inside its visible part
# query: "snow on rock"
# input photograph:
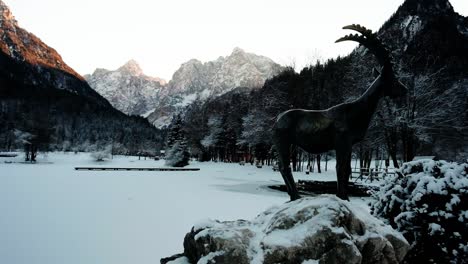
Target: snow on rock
(311, 261)
(410, 27)
(178, 260)
(322, 229)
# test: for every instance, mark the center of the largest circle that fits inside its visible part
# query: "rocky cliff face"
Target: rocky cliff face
(240, 69)
(32, 62)
(428, 35)
(132, 92)
(195, 80)
(21, 45)
(40, 94)
(127, 88)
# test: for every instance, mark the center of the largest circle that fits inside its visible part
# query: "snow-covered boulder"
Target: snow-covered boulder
(428, 202)
(323, 229)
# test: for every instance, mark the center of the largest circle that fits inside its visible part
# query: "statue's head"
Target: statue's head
(392, 85)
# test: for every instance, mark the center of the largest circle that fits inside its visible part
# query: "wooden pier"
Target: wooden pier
(134, 169)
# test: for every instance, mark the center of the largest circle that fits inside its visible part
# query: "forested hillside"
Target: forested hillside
(46, 105)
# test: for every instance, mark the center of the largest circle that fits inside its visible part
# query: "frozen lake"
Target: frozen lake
(51, 213)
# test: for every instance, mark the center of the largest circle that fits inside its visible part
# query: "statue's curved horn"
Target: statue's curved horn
(368, 40)
(356, 27)
(361, 39)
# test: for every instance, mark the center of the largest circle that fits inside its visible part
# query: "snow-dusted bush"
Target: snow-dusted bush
(66, 145)
(177, 155)
(23, 137)
(428, 202)
(103, 153)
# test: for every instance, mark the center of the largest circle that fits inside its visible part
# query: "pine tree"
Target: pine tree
(177, 154)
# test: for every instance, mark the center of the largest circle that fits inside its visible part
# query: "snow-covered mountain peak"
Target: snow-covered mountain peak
(223, 74)
(127, 88)
(132, 67)
(237, 50)
(197, 81)
(191, 62)
(99, 71)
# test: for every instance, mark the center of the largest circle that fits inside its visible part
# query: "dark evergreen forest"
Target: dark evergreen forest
(35, 112)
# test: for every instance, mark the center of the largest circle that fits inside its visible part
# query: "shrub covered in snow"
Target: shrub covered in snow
(428, 202)
(102, 153)
(177, 155)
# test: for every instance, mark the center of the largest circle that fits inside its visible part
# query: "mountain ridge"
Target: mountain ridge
(194, 80)
(127, 88)
(42, 96)
(37, 53)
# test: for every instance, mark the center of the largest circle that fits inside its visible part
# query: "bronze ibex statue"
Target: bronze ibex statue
(339, 127)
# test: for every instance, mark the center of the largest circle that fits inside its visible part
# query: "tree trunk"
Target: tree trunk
(27, 152)
(391, 140)
(319, 170)
(361, 158)
(312, 165)
(408, 144)
(394, 160)
(369, 159)
(33, 153)
(294, 158)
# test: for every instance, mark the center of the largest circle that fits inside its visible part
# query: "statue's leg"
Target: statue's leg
(343, 170)
(285, 169)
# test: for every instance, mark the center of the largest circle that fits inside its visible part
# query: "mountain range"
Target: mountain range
(132, 92)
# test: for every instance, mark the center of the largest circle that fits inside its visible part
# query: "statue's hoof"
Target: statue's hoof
(295, 197)
(343, 197)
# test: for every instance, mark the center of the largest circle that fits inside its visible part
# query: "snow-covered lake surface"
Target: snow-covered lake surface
(51, 213)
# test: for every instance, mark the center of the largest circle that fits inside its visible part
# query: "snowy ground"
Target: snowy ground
(51, 213)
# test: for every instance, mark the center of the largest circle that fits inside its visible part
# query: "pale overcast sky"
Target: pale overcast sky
(161, 35)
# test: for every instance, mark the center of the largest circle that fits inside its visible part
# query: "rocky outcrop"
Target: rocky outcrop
(41, 95)
(28, 60)
(240, 69)
(24, 46)
(195, 80)
(323, 229)
(128, 88)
